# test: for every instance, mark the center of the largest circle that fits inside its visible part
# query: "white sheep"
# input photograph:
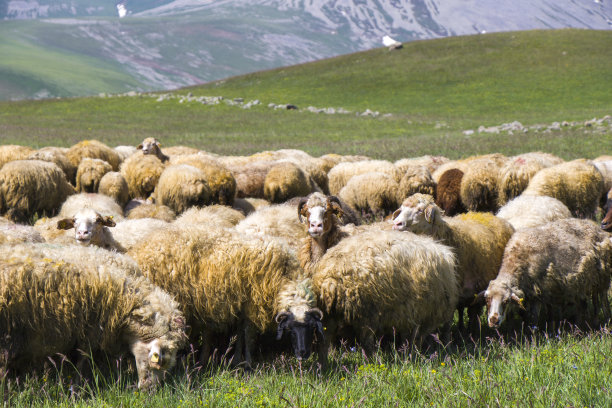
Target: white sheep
(527, 211)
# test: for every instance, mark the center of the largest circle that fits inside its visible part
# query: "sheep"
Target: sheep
(516, 173)
(555, 266)
(249, 205)
(250, 178)
(431, 163)
(284, 181)
(91, 228)
(448, 192)
(298, 315)
(340, 174)
(179, 150)
(606, 222)
(328, 161)
(383, 283)
(94, 150)
(10, 153)
(152, 146)
(11, 233)
(479, 184)
(101, 203)
(314, 168)
(605, 168)
(142, 173)
(463, 164)
(125, 151)
(136, 209)
(182, 186)
(29, 187)
(371, 193)
(479, 240)
(220, 180)
(532, 211)
(276, 221)
(416, 179)
(129, 233)
(348, 215)
(55, 155)
(218, 215)
(113, 184)
(65, 304)
(89, 174)
(222, 279)
(577, 184)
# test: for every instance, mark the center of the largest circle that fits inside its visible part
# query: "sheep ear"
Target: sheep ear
(396, 213)
(281, 319)
(139, 147)
(430, 214)
(517, 300)
(158, 143)
(106, 221)
(302, 209)
(65, 224)
(337, 209)
(479, 298)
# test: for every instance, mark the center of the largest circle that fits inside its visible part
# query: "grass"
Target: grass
(571, 369)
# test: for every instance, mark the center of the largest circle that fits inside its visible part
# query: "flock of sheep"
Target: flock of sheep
(149, 250)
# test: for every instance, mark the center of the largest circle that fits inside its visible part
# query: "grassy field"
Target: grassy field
(435, 90)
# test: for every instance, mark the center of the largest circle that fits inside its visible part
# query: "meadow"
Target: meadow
(434, 90)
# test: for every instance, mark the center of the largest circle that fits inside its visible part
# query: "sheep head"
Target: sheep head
(319, 210)
(304, 326)
(500, 298)
(153, 359)
(150, 146)
(418, 214)
(88, 225)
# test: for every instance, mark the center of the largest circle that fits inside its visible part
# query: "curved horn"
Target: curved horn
(301, 204)
(316, 310)
(334, 199)
(281, 316)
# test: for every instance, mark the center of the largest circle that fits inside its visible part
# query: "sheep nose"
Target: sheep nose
(493, 320)
(397, 225)
(316, 225)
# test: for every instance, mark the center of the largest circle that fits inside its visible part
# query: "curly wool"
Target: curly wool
(182, 186)
(532, 211)
(279, 221)
(89, 174)
(29, 187)
(375, 193)
(94, 150)
(113, 184)
(142, 173)
(479, 184)
(216, 215)
(285, 180)
(416, 179)
(11, 233)
(220, 180)
(341, 174)
(57, 156)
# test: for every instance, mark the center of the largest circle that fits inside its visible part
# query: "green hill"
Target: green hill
(435, 91)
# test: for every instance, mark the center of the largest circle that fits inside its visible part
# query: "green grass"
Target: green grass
(569, 370)
(435, 90)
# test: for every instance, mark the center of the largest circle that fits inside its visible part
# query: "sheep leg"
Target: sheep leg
(249, 343)
(331, 330)
(605, 302)
(367, 340)
(460, 325)
(474, 312)
(205, 350)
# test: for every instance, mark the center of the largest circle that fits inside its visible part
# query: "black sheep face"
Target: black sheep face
(303, 331)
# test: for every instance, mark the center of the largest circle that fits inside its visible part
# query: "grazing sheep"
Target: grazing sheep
(220, 180)
(113, 184)
(478, 239)
(249, 205)
(275, 221)
(371, 193)
(125, 151)
(217, 215)
(29, 187)
(52, 304)
(386, 283)
(577, 184)
(532, 211)
(101, 203)
(182, 186)
(479, 184)
(284, 181)
(514, 176)
(142, 173)
(94, 150)
(55, 155)
(91, 228)
(431, 163)
(152, 146)
(552, 270)
(89, 174)
(228, 282)
(10, 153)
(448, 192)
(11, 233)
(416, 179)
(340, 175)
(136, 209)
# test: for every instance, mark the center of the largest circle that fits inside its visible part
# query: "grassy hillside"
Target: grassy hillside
(435, 90)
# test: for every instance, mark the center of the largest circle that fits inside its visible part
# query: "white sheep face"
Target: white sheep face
(316, 221)
(150, 146)
(500, 299)
(413, 219)
(152, 360)
(87, 223)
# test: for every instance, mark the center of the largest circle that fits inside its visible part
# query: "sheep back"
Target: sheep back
(284, 181)
(10, 153)
(149, 210)
(142, 173)
(448, 192)
(57, 156)
(95, 150)
(182, 186)
(376, 193)
(216, 214)
(89, 174)
(113, 184)
(532, 211)
(220, 180)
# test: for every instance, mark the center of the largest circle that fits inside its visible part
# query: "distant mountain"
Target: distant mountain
(161, 44)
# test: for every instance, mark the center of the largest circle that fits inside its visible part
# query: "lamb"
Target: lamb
(479, 184)
(275, 221)
(113, 184)
(10, 153)
(284, 181)
(532, 211)
(152, 146)
(371, 193)
(228, 281)
(479, 240)
(142, 173)
(182, 186)
(67, 304)
(55, 155)
(340, 175)
(218, 215)
(577, 184)
(95, 150)
(220, 180)
(29, 187)
(89, 174)
(139, 208)
(552, 269)
(448, 192)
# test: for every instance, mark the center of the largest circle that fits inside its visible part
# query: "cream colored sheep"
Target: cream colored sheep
(55, 155)
(285, 180)
(182, 186)
(152, 146)
(11, 233)
(371, 193)
(416, 179)
(216, 215)
(249, 205)
(431, 163)
(142, 173)
(93, 306)
(101, 203)
(340, 174)
(136, 209)
(125, 151)
(113, 184)
(479, 185)
(94, 150)
(89, 174)
(220, 180)
(532, 211)
(277, 221)
(9, 153)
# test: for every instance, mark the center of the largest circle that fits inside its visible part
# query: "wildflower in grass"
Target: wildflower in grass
(433, 371)
(442, 364)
